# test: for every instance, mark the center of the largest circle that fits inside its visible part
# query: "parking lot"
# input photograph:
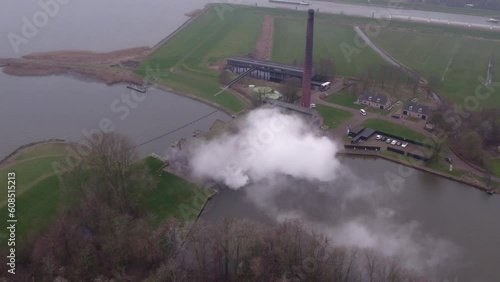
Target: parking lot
(382, 143)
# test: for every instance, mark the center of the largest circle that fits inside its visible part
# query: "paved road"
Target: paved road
(378, 12)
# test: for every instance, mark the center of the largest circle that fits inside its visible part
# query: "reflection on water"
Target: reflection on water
(36, 109)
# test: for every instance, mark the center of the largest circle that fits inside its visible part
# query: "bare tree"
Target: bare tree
(290, 88)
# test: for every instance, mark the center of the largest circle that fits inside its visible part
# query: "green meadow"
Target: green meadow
(453, 63)
(38, 191)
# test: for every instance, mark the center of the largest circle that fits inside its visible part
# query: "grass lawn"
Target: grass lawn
(401, 157)
(42, 150)
(393, 128)
(444, 167)
(344, 98)
(207, 39)
(455, 61)
(495, 166)
(377, 111)
(289, 38)
(173, 196)
(34, 209)
(333, 117)
(38, 203)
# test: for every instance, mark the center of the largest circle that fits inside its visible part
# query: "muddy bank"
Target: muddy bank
(106, 75)
(138, 53)
(113, 67)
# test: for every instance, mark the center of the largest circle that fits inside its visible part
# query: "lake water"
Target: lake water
(442, 227)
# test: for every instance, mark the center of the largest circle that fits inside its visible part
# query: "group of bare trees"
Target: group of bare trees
(471, 132)
(241, 250)
(102, 234)
(100, 228)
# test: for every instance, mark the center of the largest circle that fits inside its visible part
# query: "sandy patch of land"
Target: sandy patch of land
(265, 43)
(220, 65)
(112, 67)
(193, 13)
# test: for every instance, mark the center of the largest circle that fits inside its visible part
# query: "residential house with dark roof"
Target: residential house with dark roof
(376, 100)
(416, 110)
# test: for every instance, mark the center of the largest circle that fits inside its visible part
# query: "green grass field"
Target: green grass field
(393, 128)
(455, 61)
(49, 149)
(173, 196)
(183, 61)
(38, 194)
(289, 40)
(495, 166)
(344, 98)
(333, 117)
(208, 39)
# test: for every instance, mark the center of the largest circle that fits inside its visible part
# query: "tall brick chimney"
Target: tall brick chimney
(306, 80)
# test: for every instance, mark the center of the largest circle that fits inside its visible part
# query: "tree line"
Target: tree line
(100, 233)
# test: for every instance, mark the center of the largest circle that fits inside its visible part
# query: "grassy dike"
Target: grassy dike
(38, 194)
(182, 63)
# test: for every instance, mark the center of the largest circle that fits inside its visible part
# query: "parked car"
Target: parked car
(448, 159)
(383, 138)
(312, 106)
(396, 116)
(378, 137)
(362, 111)
(388, 141)
(404, 144)
(399, 143)
(394, 142)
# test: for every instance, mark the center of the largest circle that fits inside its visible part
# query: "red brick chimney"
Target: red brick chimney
(306, 80)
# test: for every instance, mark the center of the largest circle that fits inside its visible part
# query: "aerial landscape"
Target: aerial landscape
(250, 140)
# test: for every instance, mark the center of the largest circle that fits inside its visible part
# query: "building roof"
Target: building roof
(374, 97)
(416, 108)
(291, 107)
(365, 134)
(268, 64)
(356, 130)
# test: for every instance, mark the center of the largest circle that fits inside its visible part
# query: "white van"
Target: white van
(363, 112)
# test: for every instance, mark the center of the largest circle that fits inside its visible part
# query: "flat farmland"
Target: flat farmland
(455, 63)
(330, 42)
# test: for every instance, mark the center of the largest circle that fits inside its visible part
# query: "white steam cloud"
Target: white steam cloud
(268, 143)
(289, 172)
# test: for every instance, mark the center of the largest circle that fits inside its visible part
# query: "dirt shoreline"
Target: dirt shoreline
(110, 68)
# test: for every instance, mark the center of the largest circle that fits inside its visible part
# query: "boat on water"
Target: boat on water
(138, 88)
